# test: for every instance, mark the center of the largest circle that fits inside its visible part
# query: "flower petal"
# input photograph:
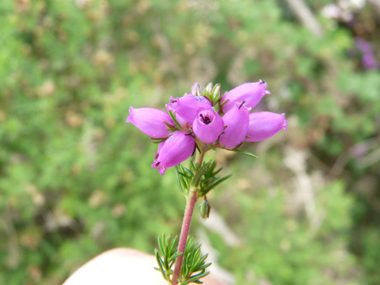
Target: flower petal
(251, 93)
(150, 121)
(237, 121)
(263, 125)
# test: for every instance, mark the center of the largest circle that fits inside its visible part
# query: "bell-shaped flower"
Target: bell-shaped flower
(251, 93)
(263, 125)
(150, 121)
(188, 106)
(237, 121)
(208, 125)
(176, 149)
(173, 105)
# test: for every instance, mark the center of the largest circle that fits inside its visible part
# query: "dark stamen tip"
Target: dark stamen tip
(242, 103)
(205, 120)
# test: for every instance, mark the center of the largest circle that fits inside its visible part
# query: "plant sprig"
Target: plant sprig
(205, 178)
(166, 255)
(194, 265)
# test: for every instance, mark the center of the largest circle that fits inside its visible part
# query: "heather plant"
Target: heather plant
(74, 181)
(192, 125)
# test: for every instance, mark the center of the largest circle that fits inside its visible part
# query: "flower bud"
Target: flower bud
(196, 89)
(204, 209)
(150, 121)
(208, 125)
(188, 105)
(215, 93)
(177, 148)
(263, 125)
(251, 93)
(237, 121)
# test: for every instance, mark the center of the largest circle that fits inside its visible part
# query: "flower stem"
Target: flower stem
(191, 199)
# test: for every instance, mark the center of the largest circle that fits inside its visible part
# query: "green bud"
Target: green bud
(215, 93)
(204, 209)
(209, 87)
(196, 90)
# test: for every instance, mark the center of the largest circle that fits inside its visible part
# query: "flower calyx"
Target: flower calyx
(211, 92)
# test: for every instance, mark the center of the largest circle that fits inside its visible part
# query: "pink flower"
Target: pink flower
(150, 121)
(188, 106)
(251, 93)
(263, 125)
(176, 149)
(208, 125)
(237, 121)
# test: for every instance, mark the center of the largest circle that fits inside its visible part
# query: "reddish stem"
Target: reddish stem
(184, 234)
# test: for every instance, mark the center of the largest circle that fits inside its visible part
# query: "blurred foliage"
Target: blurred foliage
(75, 180)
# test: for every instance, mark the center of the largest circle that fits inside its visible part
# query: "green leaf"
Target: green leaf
(170, 127)
(198, 175)
(160, 140)
(178, 125)
(194, 266)
(207, 189)
(219, 170)
(244, 152)
(160, 264)
(166, 255)
(224, 102)
(178, 179)
(211, 146)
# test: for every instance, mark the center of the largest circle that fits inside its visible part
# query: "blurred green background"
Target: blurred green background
(75, 179)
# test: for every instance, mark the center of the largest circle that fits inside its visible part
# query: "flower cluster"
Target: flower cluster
(369, 60)
(207, 120)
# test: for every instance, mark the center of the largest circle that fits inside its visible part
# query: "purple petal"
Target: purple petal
(251, 93)
(160, 145)
(263, 125)
(189, 105)
(173, 105)
(182, 122)
(369, 61)
(150, 121)
(363, 46)
(177, 148)
(237, 121)
(208, 125)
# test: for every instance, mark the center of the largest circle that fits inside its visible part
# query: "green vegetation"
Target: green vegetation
(75, 179)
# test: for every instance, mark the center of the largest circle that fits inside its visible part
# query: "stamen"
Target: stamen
(206, 119)
(242, 103)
